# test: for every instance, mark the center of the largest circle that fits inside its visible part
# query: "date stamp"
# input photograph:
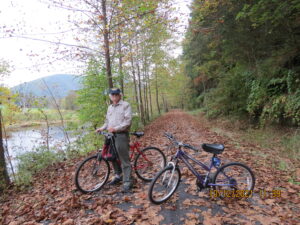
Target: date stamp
(263, 194)
(270, 194)
(230, 193)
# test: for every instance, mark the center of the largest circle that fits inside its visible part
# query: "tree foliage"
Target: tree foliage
(92, 97)
(244, 58)
(5, 101)
(131, 39)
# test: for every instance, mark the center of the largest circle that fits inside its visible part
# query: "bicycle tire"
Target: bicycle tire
(80, 168)
(140, 158)
(151, 188)
(234, 164)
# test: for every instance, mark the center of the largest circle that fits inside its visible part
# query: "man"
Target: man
(118, 121)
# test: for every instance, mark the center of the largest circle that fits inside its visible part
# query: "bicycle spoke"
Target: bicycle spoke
(92, 174)
(235, 177)
(165, 185)
(149, 162)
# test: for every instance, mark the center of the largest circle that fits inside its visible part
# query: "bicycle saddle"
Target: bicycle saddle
(213, 148)
(138, 134)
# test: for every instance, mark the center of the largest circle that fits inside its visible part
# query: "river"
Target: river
(29, 139)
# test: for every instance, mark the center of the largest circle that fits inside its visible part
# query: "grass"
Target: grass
(195, 112)
(286, 140)
(33, 117)
(33, 114)
(282, 144)
(292, 144)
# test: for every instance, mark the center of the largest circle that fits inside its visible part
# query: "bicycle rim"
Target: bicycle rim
(234, 176)
(164, 185)
(149, 162)
(92, 174)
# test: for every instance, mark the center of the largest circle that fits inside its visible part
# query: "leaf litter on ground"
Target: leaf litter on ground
(53, 198)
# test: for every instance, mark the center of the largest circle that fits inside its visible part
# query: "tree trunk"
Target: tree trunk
(156, 93)
(146, 91)
(47, 128)
(140, 88)
(4, 178)
(140, 93)
(120, 62)
(149, 93)
(59, 112)
(134, 81)
(106, 45)
(146, 102)
(166, 109)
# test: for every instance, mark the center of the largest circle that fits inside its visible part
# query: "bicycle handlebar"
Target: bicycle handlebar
(191, 147)
(106, 134)
(171, 138)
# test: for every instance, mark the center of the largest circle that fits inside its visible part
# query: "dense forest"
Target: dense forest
(244, 59)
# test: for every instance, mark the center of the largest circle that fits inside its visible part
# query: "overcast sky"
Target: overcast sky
(32, 18)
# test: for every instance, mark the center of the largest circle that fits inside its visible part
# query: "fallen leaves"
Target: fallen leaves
(52, 199)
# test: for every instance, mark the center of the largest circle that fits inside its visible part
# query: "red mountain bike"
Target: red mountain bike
(93, 173)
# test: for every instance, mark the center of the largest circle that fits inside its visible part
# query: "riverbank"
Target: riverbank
(33, 117)
(35, 124)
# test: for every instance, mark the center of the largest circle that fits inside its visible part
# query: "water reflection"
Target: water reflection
(25, 140)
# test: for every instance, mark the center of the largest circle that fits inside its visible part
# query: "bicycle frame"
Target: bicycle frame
(184, 157)
(135, 147)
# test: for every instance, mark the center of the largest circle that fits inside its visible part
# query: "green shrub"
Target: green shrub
(292, 145)
(32, 162)
(230, 94)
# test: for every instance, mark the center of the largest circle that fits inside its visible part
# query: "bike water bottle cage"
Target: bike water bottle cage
(213, 148)
(216, 161)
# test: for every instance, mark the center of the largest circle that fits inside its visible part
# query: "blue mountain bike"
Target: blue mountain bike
(230, 180)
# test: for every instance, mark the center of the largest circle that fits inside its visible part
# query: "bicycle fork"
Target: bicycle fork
(173, 170)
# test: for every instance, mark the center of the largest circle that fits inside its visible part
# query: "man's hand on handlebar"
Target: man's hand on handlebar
(99, 130)
(111, 129)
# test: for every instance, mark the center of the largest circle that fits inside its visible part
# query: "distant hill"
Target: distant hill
(59, 84)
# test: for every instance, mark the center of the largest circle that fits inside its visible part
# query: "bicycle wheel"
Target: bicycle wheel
(164, 185)
(149, 162)
(92, 174)
(233, 178)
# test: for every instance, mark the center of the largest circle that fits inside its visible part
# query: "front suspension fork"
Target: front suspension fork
(173, 170)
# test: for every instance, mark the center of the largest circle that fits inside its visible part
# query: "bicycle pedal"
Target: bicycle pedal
(199, 189)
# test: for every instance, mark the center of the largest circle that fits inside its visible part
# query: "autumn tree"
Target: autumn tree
(123, 38)
(5, 99)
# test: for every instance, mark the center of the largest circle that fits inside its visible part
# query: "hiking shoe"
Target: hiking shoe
(115, 181)
(127, 187)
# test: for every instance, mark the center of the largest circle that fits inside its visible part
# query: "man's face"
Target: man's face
(115, 98)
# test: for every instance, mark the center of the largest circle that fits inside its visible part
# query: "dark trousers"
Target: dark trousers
(122, 147)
